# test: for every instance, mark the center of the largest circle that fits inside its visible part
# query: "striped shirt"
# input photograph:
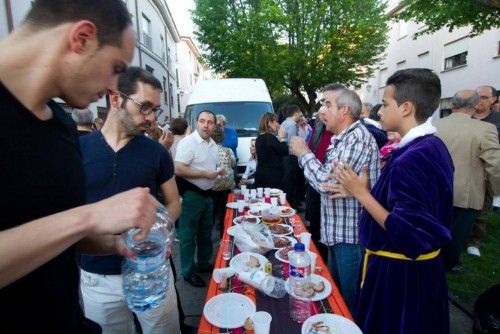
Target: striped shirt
(340, 217)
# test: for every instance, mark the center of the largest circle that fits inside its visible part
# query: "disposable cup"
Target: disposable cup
(262, 322)
(219, 274)
(313, 258)
(305, 238)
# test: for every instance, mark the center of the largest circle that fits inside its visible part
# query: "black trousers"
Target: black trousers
(461, 228)
(293, 180)
(313, 215)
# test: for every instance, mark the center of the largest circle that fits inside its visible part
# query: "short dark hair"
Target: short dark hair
(419, 86)
(291, 109)
(208, 112)
(127, 80)
(264, 122)
(111, 17)
(374, 112)
(178, 126)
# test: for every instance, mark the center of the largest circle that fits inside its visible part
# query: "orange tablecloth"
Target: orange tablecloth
(335, 300)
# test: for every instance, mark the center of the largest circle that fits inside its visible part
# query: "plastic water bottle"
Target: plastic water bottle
(145, 276)
(300, 274)
(265, 283)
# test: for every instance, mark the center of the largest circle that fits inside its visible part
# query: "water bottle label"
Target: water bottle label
(146, 264)
(300, 272)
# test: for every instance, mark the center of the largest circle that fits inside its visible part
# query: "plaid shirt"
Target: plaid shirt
(340, 217)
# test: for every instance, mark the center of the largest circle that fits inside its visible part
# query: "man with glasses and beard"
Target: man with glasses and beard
(117, 158)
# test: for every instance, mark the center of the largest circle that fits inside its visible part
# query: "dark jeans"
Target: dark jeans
(345, 265)
(461, 228)
(313, 215)
(293, 181)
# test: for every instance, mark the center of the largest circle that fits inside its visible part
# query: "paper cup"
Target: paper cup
(219, 274)
(274, 202)
(260, 192)
(282, 198)
(305, 238)
(241, 205)
(243, 187)
(262, 322)
(313, 258)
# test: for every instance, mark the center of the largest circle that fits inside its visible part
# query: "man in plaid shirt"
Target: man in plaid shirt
(354, 145)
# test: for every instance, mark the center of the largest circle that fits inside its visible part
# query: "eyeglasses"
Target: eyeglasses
(485, 97)
(145, 109)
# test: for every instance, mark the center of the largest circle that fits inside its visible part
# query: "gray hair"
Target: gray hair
(350, 99)
(368, 106)
(82, 116)
(221, 118)
(465, 99)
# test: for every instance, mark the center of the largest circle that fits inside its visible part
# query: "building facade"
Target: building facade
(460, 61)
(156, 45)
(190, 69)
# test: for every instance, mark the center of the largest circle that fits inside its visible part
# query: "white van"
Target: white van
(242, 101)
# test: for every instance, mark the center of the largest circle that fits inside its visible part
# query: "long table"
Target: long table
(278, 308)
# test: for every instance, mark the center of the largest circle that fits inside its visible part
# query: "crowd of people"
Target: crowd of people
(391, 198)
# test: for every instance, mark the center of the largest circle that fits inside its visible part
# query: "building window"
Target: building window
(424, 60)
(146, 32)
(171, 93)
(383, 77)
(402, 29)
(162, 42)
(149, 69)
(455, 53)
(400, 65)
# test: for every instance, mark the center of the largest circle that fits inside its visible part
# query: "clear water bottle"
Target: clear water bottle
(145, 276)
(262, 281)
(300, 275)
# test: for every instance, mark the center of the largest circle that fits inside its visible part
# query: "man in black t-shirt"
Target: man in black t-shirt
(73, 49)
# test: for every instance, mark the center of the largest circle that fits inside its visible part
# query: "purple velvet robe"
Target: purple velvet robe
(409, 297)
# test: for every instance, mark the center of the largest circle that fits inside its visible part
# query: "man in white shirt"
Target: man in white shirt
(196, 171)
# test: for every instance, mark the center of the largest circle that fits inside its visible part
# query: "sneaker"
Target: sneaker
(473, 250)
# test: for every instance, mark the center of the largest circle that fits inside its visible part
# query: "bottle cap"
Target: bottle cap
(299, 247)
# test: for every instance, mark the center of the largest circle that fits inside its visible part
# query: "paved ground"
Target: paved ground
(193, 299)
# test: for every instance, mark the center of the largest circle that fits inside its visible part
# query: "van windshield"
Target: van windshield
(242, 116)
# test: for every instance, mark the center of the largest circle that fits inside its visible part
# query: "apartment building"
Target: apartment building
(460, 61)
(156, 45)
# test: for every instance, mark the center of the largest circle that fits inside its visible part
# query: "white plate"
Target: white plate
(337, 324)
(229, 310)
(232, 205)
(318, 295)
(276, 255)
(239, 219)
(290, 229)
(293, 240)
(239, 262)
(259, 207)
(289, 214)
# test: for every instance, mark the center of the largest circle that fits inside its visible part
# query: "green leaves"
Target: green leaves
(482, 15)
(294, 45)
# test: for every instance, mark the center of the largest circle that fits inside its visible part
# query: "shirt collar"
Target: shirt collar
(344, 132)
(419, 131)
(200, 140)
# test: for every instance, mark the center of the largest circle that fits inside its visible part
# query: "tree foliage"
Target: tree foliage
(482, 15)
(294, 45)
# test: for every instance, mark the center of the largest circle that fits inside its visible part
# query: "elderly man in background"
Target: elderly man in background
(474, 148)
(84, 120)
(230, 135)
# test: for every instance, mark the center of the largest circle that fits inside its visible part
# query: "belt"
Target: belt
(396, 256)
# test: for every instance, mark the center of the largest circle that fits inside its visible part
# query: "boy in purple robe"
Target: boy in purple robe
(407, 216)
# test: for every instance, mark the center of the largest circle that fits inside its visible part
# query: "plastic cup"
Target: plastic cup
(222, 273)
(241, 206)
(282, 198)
(260, 192)
(297, 228)
(262, 322)
(313, 258)
(305, 238)
(243, 187)
(274, 202)
(227, 249)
